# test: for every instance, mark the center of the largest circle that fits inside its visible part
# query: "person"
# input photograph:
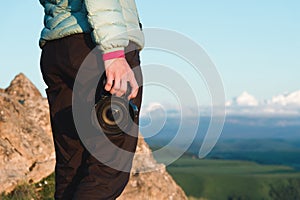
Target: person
(72, 29)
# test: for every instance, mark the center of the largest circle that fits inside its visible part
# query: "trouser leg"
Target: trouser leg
(79, 175)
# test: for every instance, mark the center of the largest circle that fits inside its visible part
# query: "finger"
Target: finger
(123, 88)
(116, 87)
(109, 82)
(134, 89)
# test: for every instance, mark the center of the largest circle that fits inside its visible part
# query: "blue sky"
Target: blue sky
(254, 44)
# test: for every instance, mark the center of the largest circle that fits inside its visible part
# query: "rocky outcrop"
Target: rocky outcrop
(26, 148)
(149, 180)
(27, 153)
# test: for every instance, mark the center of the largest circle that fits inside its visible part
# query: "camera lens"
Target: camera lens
(112, 115)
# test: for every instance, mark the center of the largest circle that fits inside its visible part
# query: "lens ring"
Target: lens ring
(107, 116)
(125, 118)
(109, 123)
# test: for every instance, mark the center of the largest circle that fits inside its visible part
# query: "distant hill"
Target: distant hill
(268, 140)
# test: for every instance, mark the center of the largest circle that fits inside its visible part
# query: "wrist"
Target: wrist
(113, 55)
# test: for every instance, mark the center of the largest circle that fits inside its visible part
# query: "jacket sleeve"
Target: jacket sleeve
(109, 27)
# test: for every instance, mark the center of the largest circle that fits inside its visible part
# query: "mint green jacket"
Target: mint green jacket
(112, 23)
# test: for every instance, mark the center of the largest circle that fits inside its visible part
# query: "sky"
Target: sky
(255, 44)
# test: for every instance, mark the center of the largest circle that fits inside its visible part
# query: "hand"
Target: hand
(118, 74)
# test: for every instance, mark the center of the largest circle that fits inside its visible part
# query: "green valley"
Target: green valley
(239, 180)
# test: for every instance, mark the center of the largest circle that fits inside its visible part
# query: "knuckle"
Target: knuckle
(108, 73)
(135, 87)
(109, 84)
(116, 87)
(121, 91)
(119, 94)
(130, 74)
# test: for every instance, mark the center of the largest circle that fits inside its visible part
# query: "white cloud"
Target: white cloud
(291, 99)
(280, 105)
(245, 99)
(245, 104)
(153, 108)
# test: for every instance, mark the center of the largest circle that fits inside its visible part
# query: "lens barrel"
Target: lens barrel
(115, 115)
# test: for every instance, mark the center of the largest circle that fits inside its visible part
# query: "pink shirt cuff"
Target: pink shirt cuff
(114, 54)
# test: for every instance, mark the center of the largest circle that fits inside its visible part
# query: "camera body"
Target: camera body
(115, 115)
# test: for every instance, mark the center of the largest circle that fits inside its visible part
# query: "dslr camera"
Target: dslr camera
(115, 115)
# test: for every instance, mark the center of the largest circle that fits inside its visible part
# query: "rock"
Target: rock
(27, 153)
(150, 180)
(22, 89)
(26, 148)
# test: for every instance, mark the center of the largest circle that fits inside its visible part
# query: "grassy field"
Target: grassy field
(206, 179)
(223, 179)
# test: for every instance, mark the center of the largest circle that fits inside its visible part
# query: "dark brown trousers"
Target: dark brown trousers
(78, 174)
